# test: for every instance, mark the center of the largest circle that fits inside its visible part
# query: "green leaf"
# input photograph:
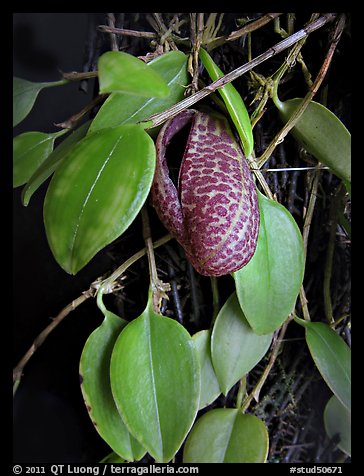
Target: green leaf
(210, 388)
(113, 458)
(268, 286)
(24, 95)
(96, 193)
(46, 169)
(235, 347)
(337, 421)
(332, 357)
(96, 388)
(225, 435)
(124, 73)
(322, 134)
(233, 102)
(121, 108)
(30, 150)
(155, 379)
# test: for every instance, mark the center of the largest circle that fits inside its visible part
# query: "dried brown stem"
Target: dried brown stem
(107, 286)
(126, 32)
(73, 120)
(158, 119)
(38, 341)
(250, 27)
(77, 76)
(197, 24)
(309, 96)
(164, 33)
(113, 41)
(159, 288)
(306, 230)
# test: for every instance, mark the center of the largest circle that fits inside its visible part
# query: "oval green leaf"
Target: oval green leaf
(124, 73)
(233, 102)
(46, 169)
(332, 357)
(96, 388)
(337, 421)
(24, 95)
(210, 388)
(268, 286)
(155, 379)
(96, 193)
(235, 347)
(121, 108)
(30, 150)
(322, 134)
(225, 435)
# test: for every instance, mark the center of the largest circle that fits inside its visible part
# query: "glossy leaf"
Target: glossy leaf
(233, 102)
(332, 357)
(225, 435)
(96, 388)
(46, 169)
(322, 134)
(30, 150)
(121, 108)
(155, 379)
(337, 421)
(235, 347)
(24, 95)
(268, 286)
(96, 193)
(124, 73)
(210, 388)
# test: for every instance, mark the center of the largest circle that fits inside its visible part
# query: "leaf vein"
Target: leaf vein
(75, 233)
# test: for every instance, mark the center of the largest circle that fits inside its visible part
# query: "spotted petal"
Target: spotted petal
(214, 213)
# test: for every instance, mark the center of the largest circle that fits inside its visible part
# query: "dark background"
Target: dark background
(50, 419)
(51, 423)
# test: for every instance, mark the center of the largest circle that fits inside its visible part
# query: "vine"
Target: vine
(198, 379)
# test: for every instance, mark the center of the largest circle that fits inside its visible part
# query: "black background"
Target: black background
(50, 419)
(51, 423)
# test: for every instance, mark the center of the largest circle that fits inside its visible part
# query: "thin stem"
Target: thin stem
(254, 167)
(126, 32)
(113, 41)
(305, 233)
(164, 33)
(308, 98)
(107, 286)
(77, 76)
(60, 82)
(158, 119)
(254, 394)
(295, 169)
(196, 22)
(38, 341)
(241, 392)
(242, 31)
(310, 209)
(215, 298)
(304, 302)
(336, 204)
(72, 121)
(159, 288)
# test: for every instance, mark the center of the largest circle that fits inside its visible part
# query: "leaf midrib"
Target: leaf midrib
(150, 352)
(73, 256)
